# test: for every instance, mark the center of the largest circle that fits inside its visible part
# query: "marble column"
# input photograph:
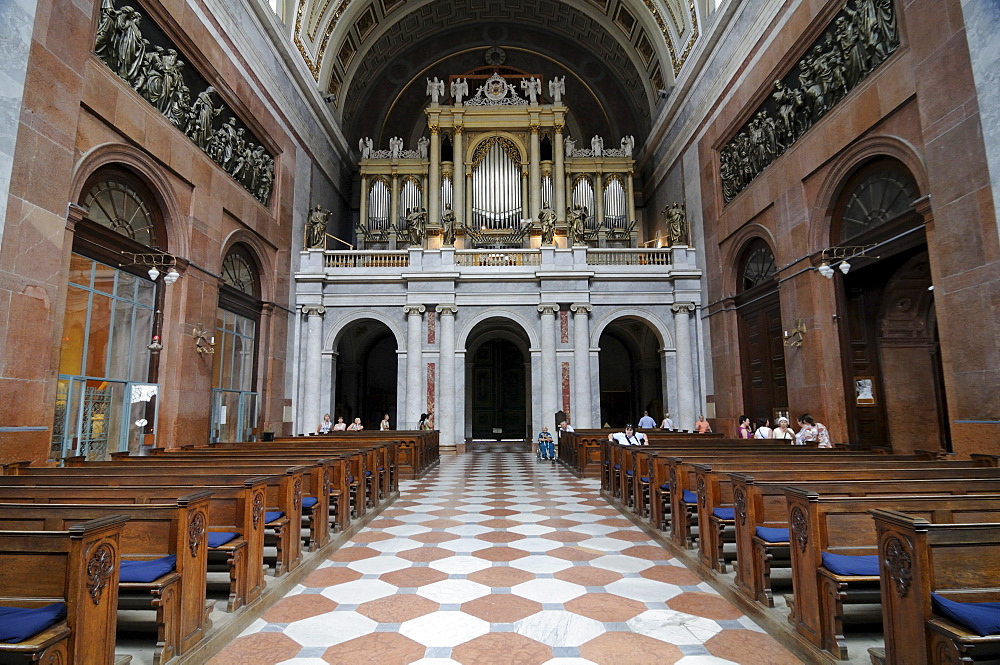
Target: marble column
(534, 173)
(414, 365)
(312, 393)
(363, 211)
(447, 396)
(394, 200)
(630, 197)
(685, 365)
(525, 192)
(598, 213)
(559, 175)
(549, 369)
(583, 410)
(433, 194)
(458, 177)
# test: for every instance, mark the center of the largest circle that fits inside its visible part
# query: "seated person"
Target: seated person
(546, 446)
(341, 425)
(702, 426)
(629, 437)
(356, 426)
(325, 426)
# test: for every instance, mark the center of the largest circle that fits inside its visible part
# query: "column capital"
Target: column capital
(685, 307)
(313, 310)
(581, 308)
(414, 310)
(534, 127)
(549, 308)
(457, 130)
(558, 127)
(446, 309)
(434, 129)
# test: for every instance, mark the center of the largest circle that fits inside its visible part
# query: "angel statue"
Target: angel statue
(435, 88)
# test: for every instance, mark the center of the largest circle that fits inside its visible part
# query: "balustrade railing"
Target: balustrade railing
(498, 258)
(375, 259)
(628, 257)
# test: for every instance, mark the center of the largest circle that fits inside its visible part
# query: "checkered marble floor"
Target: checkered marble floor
(496, 558)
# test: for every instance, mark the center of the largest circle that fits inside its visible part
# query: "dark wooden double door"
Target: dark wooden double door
(762, 350)
(498, 396)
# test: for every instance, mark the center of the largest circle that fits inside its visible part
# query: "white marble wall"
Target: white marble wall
(17, 17)
(982, 25)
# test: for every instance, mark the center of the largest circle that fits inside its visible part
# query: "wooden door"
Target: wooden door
(499, 407)
(762, 355)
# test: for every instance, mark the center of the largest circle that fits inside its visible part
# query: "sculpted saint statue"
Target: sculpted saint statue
(422, 145)
(597, 146)
(395, 147)
(435, 88)
(570, 144)
(459, 89)
(415, 220)
(448, 226)
(547, 220)
(628, 143)
(557, 88)
(674, 218)
(532, 87)
(316, 228)
(575, 220)
(365, 147)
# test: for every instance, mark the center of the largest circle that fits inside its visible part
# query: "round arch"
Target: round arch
(150, 173)
(262, 258)
(464, 334)
(849, 161)
(735, 249)
(336, 333)
(663, 335)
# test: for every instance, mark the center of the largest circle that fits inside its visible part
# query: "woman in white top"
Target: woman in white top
(341, 425)
(325, 426)
(667, 422)
(783, 431)
(763, 430)
(356, 426)
(384, 425)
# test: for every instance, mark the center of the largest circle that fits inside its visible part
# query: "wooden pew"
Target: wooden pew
(152, 531)
(754, 508)
(956, 561)
(237, 508)
(416, 451)
(314, 482)
(78, 566)
(844, 526)
(280, 493)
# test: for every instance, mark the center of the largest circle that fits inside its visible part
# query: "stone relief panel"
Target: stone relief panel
(135, 49)
(858, 39)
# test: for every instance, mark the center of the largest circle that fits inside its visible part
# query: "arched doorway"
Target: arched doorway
(762, 351)
(498, 382)
(630, 373)
(365, 383)
(107, 388)
(892, 367)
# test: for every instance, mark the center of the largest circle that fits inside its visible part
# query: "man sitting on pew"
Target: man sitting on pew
(629, 437)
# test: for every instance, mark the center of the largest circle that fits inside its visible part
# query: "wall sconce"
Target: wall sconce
(204, 341)
(794, 337)
(155, 346)
(155, 261)
(841, 256)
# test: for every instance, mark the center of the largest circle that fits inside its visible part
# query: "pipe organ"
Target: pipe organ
(497, 190)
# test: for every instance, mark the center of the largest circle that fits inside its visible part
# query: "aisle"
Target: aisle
(495, 558)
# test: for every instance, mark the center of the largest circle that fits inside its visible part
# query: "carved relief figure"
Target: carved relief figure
(200, 118)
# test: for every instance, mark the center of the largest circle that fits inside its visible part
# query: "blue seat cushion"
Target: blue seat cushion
(220, 538)
(367, 474)
(851, 564)
(643, 479)
(272, 515)
(665, 486)
(20, 623)
(980, 618)
(725, 513)
(381, 468)
(617, 466)
(690, 497)
(309, 501)
(772, 535)
(146, 571)
(350, 479)
(629, 472)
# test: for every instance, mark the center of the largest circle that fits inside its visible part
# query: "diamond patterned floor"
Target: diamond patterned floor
(496, 558)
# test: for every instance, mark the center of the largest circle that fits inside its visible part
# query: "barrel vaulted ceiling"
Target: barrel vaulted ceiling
(375, 55)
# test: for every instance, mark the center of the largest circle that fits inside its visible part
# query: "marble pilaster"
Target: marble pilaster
(17, 20)
(447, 397)
(414, 375)
(549, 368)
(434, 178)
(583, 410)
(559, 176)
(685, 368)
(458, 176)
(311, 393)
(534, 174)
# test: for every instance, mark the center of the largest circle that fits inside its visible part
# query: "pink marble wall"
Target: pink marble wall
(564, 326)
(565, 388)
(431, 326)
(431, 381)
